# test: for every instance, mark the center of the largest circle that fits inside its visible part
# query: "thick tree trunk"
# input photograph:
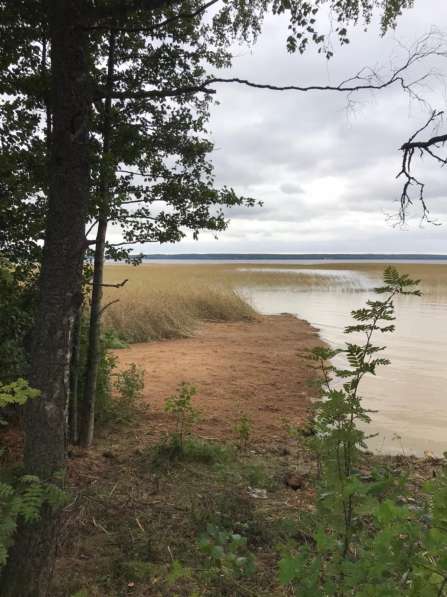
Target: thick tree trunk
(93, 353)
(30, 565)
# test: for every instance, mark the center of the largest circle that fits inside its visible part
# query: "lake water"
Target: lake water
(410, 395)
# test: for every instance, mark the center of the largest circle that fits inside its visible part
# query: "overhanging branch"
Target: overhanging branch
(430, 147)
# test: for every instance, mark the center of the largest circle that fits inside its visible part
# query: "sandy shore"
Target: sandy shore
(256, 368)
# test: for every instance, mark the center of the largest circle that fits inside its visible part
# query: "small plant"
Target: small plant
(180, 405)
(130, 384)
(227, 552)
(16, 392)
(243, 428)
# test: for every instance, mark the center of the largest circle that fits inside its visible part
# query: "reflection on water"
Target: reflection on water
(411, 394)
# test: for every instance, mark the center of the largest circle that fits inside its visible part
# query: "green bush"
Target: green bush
(180, 405)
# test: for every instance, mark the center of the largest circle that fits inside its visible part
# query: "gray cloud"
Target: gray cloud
(324, 167)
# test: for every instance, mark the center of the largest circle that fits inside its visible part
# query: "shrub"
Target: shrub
(180, 405)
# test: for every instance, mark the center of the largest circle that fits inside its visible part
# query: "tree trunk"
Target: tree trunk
(93, 353)
(73, 414)
(87, 410)
(31, 561)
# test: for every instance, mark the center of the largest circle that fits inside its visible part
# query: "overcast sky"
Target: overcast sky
(325, 173)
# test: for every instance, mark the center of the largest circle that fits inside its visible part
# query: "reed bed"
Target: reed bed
(162, 302)
(166, 300)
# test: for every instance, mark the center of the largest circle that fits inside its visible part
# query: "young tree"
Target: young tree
(154, 179)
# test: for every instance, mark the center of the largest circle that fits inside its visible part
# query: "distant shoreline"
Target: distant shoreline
(295, 256)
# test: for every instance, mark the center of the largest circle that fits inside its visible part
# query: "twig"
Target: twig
(108, 305)
(99, 526)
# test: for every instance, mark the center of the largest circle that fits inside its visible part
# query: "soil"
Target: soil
(258, 369)
(127, 522)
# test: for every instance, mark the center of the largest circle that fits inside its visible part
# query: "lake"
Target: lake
(410, 395)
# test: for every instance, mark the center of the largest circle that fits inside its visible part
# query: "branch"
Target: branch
(367, 79)
(132, 242)
(119, 285)
(408, 150)
(108, 305)
(155, 93)
(156, 26)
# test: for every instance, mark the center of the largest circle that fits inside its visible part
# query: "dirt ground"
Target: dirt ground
(258, 369)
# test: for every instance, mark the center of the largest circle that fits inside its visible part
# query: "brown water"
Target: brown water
(411, 394)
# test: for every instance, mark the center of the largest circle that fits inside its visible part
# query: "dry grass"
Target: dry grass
(161, 302)
(168, 300)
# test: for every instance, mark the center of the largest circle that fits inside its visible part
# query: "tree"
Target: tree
(29, 567)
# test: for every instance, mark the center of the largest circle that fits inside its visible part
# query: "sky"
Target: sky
(325, 165)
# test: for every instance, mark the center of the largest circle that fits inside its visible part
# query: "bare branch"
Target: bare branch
(423, 147)
(367, 79)
(118, 285)
(108, 305)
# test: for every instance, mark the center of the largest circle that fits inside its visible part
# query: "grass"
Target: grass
(135, 530)
(170, 452)
(163, 302)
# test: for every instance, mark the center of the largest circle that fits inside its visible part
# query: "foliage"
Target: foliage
(16, 392)
(129, 384)
(170, 451)
(227, 552)
(180, 405)
(24, 496)
(16, 318)
(364, 541)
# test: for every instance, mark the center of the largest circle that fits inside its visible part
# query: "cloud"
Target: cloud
(323, 164)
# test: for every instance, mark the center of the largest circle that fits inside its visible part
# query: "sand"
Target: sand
(256, 368)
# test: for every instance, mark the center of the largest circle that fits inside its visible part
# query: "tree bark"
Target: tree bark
(73, 414)
(87, 425)
(31, 561)
(87, 404)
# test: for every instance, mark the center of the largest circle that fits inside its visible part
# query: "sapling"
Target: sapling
(180, 405)
(352, 552)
